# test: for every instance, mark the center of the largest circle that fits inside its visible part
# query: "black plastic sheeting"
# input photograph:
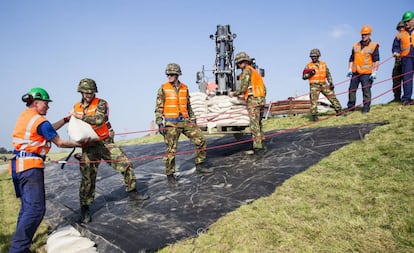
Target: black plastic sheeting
(183, 210)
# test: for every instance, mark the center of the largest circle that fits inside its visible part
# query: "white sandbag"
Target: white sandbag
(198, 94)
(62, 232)
(79, 130)
(237, 101)
(69, 244)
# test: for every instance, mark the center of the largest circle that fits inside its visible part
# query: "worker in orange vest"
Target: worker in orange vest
(403, 46)
(363, 67)
(320, 81)
(397, 71)
(32, 138)
(174, 116)
(253, 90)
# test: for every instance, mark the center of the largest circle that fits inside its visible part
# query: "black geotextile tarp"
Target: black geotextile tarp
(186, 209)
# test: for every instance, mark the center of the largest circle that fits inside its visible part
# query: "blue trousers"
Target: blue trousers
(33, 207)
(407, 68)
(366, 91)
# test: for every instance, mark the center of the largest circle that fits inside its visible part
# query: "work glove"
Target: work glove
(373, 76)
(396, 55)
(349, 74)
(66, 119)
(331, 87)
(161, 129)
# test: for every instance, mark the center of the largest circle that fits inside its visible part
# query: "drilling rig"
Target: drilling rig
(224, 70)
(225, 81)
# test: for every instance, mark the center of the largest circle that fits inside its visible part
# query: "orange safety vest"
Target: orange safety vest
(28, 142)
(406, 41)
(102, 130)
(320, 72)
(363, 57)
(175, 103)
(257, 88)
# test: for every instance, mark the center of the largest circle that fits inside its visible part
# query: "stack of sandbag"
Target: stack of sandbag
(219, 110)
(199, 106)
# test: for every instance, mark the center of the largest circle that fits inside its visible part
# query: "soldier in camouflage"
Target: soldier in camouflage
(174, 116)
(320, 81)
(95, 111)
(254, 92)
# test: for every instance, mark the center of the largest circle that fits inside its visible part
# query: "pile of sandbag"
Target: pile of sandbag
(219, 110)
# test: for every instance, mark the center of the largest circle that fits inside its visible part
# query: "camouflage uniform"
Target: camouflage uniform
(255, 108)
(105, 149)
(317, 88)
(175, 129)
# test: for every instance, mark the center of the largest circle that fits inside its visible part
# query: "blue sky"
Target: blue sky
(125, 45)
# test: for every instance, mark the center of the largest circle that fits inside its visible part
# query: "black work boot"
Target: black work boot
(135, 195)
(204, 168)
(259, 152)
(341, 112)
(86, 216)
(172, 180)
(315, 118)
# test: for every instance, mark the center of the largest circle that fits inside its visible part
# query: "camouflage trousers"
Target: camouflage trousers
(315, 90)
(171, 137)
(255, 107)
(91, 157)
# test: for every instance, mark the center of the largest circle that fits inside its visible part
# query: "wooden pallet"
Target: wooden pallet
(289, 107)
(226, 129)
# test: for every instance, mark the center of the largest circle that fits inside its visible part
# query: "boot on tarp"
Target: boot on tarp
(85, 213)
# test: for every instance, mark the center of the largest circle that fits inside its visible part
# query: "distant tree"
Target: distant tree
(3, 150)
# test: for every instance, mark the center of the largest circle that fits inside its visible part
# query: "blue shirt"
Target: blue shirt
(46, 130)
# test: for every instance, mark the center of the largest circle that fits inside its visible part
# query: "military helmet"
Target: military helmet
(241, 56)
(366, 29)
(400, 25)
(173, 69)
(407, 16)
(315, 52)
(87, 85)
(36, 93)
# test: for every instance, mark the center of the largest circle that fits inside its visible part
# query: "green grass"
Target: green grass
(359, 199)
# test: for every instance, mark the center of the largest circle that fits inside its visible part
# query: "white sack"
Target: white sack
(79, 130)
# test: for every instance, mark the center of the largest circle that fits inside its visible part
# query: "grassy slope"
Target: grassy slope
(359, 199)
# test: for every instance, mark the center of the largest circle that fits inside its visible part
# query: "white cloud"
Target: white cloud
(339, 31)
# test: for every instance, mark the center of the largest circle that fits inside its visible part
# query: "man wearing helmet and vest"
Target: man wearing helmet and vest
(397, 70)
(95, 111)
(174, 116)
(32, 138)
(320, 80)
(403, 46)
(363, 67)
(254, 93)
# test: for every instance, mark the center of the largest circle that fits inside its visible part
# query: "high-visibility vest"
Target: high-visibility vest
(103, 130)
(406, 41)
(256, 88)
(30, 147)
(175, 103)
(320, 72)
(363, 57)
